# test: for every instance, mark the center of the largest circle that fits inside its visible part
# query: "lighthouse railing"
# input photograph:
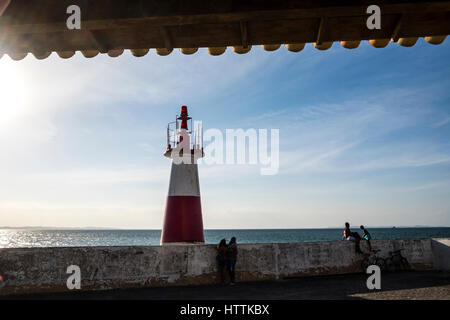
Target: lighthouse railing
(174, 132)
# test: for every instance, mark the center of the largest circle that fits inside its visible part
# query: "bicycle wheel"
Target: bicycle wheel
(405, 264)
(364, 265)
(388, 264)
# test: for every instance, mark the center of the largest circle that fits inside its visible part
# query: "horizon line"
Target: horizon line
(150, 229)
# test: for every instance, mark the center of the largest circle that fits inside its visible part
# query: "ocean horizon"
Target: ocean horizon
(27, 237)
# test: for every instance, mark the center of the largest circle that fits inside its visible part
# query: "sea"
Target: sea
(25, 238)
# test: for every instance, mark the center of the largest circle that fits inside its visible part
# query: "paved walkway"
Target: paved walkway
(406, 285)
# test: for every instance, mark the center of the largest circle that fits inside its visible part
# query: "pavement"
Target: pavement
(410, 285)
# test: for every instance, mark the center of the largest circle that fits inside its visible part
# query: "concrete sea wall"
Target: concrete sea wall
(30, 270)
(441, 254)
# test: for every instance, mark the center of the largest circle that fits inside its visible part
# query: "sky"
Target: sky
(363, 137)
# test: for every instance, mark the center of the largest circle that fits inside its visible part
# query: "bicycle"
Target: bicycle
(396, 261)
(372, 259)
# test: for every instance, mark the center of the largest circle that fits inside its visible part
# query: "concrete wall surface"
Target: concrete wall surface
(28, 270)
(441, 253)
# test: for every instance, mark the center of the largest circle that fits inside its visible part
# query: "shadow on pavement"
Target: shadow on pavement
(336, 287)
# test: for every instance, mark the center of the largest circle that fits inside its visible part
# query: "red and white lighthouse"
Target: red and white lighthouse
(183, 220)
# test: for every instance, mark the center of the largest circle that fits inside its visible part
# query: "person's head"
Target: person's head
(233, 240)
(361, 227)
(223, 243)
(347, 225)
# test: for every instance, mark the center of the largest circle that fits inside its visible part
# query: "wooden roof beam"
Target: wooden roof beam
(396, 31)
(322, 26)
(168, 41)
(147, 20)
(244, 33)
(97, 41)
(3, 5)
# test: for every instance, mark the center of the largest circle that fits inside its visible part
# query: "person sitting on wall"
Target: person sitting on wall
(366, 236)
(352, 236)
(222, 259)
(231, 259)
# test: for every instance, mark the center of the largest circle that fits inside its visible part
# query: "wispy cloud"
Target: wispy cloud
(442, 122)
(95, 176)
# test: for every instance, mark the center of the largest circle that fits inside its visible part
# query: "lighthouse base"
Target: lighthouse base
(183, 221)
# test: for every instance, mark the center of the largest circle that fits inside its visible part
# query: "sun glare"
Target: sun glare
(13, 92)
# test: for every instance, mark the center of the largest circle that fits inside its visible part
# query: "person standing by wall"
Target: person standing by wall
(231, 258)
(221, 259)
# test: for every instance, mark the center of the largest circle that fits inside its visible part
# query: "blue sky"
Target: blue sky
(364, 137)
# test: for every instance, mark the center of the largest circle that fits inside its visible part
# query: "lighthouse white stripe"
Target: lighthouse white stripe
(184, 180)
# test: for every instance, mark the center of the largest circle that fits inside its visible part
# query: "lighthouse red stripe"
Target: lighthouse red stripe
(183, 220)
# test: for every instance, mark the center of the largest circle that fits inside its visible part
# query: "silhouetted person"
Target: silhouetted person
(231, 259)
(352, 236)
(221, 258)
(366, 236)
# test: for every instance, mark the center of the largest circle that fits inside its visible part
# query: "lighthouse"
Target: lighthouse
(183, 222)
